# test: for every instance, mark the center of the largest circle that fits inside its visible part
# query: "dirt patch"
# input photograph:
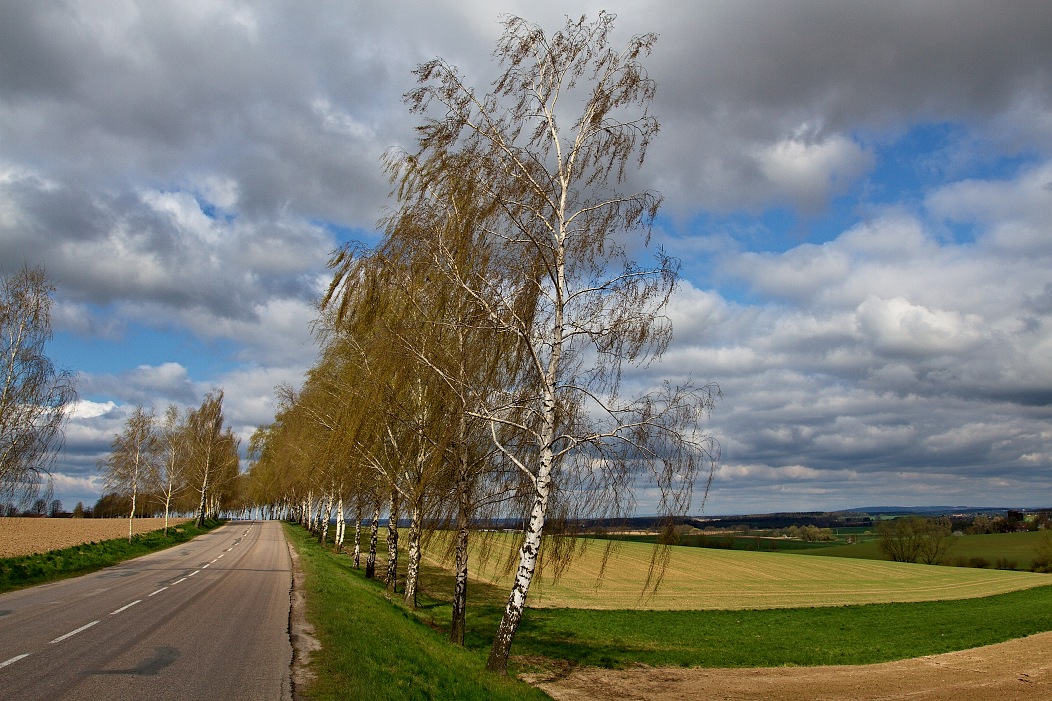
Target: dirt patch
(1018, 670)
(301, 633)
(25, 536)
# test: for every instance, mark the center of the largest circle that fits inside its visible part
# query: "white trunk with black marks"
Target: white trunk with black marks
(204, 495)
(135, 491)
(358, 538)
(392, 543)
(324, 516)
(498, 656)
(341, 525)
(460, 568)
(412, 567)
(374, 533)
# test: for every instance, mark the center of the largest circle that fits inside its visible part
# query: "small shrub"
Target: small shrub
(980, 562)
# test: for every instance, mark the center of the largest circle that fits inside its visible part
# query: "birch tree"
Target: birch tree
(132, 464)
(550, 145)
(213, 454)
(172, 462)
(35, 396)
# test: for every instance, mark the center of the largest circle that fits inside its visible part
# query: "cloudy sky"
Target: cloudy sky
(861, 194)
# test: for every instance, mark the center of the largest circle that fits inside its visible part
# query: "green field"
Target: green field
(369, 632)
(702, 578)
(1017, 548)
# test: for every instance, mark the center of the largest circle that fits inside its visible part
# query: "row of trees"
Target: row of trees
(182, 461)
(472, 363)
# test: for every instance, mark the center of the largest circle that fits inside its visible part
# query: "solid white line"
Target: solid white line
(123, 608)
(158, 591)
(193, 573)
(14, 659)
(73, 632)
(177, 581)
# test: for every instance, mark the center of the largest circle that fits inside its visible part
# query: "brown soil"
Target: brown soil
(24, 536)
(1018, 670)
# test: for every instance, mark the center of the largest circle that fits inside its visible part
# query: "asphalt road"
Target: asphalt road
(204, 620)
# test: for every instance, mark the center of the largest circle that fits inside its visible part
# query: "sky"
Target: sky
(860, 194)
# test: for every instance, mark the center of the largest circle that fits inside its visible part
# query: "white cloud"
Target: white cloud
(808, 172)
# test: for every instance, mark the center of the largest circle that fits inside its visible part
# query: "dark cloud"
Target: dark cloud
(187, 166)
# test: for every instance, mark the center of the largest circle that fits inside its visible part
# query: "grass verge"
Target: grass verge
(28, 570)
(373, 648)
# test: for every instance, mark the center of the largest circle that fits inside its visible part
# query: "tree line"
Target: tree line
(472, 363)
(182, 462)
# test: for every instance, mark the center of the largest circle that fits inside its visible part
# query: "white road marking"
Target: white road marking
(73, 632)
(193, 573)
(177, 581)
(205, 566)
(14, 659)
(158, 591)
(124, 608)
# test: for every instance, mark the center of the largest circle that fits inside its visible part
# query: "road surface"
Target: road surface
(204, 620)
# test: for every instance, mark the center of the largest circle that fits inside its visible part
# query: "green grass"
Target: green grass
(28, 570)
(373, 648)
(829, 635)
(1018, 548)
(773, 638)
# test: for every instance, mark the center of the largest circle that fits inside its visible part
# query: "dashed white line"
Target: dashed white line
(205, 566)
(125, 608)
(177, 581)
(158, 591)
(193, 573)
(73, 632)
(14, 659)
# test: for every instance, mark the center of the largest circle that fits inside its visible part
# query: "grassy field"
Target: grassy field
(1018, 548)
(550, 637)
(701, 578)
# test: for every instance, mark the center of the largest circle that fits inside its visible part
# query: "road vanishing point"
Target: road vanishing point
(208, 619)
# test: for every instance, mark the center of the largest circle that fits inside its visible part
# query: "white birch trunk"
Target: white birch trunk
(358, 537)
(374, 532)
(412, 567)
(340, 525)
(392, 543)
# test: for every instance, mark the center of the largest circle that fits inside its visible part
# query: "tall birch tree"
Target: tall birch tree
(35, 396)
(132, 464)
(550, 145)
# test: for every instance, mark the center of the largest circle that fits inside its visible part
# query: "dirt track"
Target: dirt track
(1018, 670)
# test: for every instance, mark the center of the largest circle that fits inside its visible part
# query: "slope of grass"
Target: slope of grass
(700, 578)
(827, 635)
(27, 570)
(373, 648)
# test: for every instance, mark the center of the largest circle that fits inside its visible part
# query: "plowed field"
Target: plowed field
(24, 536)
